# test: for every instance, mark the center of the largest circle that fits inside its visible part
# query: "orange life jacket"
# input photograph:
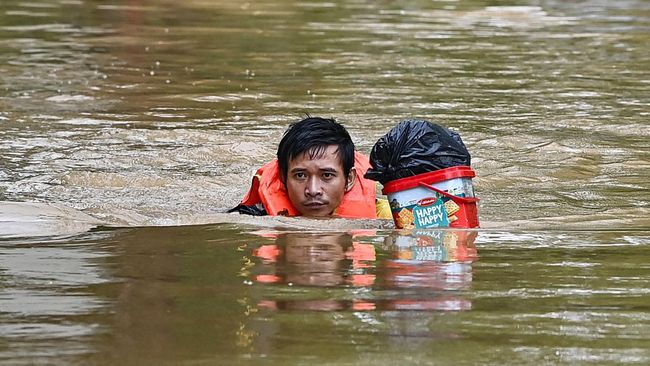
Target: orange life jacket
(267, 189)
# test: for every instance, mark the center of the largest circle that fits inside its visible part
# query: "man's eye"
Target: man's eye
(328, 175)
(300, 175)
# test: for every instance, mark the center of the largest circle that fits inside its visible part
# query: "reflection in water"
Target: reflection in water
(356, 284)
(438, 260)
(433, 245)
(317, 260)
(215, 295)
(434, 260)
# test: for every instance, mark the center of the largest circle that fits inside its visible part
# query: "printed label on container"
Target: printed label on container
(429, 213)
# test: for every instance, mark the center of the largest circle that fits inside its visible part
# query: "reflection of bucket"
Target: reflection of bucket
(443, 198)
(433, 246)
(437, 259)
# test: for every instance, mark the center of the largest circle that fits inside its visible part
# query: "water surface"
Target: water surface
(158, 112)
(127, 128)
(214, 294)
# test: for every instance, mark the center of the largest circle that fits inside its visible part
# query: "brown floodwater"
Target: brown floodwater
(128, 127)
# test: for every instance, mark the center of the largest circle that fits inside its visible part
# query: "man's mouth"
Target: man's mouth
(314, 204)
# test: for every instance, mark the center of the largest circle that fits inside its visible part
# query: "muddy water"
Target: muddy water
(216, 295)
(153, 112)
(156, 113)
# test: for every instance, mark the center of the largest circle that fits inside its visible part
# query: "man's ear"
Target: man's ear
(351, 178)
(283, 179)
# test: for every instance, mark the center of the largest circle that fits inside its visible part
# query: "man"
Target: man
(317, 173)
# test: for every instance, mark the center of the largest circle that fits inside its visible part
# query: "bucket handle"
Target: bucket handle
(446, 194)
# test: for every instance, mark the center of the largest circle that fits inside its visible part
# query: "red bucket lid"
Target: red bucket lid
(429, 178)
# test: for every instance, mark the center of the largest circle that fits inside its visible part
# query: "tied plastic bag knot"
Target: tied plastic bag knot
(414, 147)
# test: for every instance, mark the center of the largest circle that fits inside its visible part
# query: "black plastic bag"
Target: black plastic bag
(414, 147)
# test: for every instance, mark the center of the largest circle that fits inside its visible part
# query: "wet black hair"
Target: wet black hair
(313, 135)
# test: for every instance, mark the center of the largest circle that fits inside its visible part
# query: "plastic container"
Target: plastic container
(442, 198)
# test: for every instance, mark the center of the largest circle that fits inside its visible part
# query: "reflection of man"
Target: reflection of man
(315, 260)
(317, 173)
(323, 260)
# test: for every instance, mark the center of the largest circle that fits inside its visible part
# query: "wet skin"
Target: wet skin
(316, 185)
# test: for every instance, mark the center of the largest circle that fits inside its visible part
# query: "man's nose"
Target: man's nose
(313, 187)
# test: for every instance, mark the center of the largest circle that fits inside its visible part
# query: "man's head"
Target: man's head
(316, 161)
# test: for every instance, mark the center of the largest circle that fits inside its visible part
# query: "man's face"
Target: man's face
(316, 186)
